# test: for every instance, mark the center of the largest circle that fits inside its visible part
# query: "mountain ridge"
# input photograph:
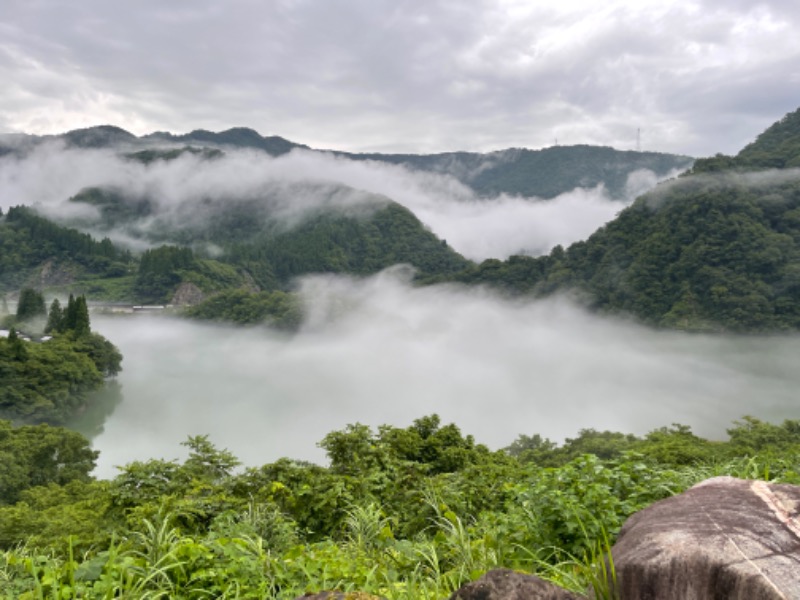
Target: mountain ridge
(544, 173)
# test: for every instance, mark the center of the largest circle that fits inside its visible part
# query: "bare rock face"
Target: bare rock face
(187, 294)
(504, 584)
(52, 273)
(725, 539)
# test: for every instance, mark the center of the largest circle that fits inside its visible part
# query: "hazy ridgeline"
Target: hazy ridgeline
(380, 351)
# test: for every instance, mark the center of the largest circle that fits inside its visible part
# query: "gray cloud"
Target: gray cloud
(698, 77)
(380, 351)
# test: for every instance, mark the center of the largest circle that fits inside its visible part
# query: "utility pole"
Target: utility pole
(638, 140)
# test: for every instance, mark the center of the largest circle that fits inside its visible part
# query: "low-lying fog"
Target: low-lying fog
(477, 228)
(380, 351)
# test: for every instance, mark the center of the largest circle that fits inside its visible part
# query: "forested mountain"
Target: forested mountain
(257, 245)
(716, 249)
(776, 148)
(252, 247)
(542, 173)
(36, 251)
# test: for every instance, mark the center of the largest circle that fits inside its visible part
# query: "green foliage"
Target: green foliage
(159, 272)
(76, 317)
(277, 309)
(31, 305)
(703, 253)
(388, 518)
(716, 250)
(55, 317)
(776, 148)
(38, 455)
(52, 381)
(29, 242)
(360, 244)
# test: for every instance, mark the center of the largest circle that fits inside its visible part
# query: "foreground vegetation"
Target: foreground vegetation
(400, 512)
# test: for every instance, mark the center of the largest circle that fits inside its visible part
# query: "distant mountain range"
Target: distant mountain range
(542, 173)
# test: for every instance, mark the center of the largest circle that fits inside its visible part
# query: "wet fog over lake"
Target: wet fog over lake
(381, 351)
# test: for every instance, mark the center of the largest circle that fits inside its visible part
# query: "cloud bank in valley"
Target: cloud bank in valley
(301, 182)
(380, 351)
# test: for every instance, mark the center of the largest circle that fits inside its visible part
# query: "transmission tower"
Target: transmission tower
(638, 140)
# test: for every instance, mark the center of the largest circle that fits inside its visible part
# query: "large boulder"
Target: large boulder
(724, 539)
(504, 584)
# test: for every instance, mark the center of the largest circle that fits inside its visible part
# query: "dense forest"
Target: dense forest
(399, 512)
(53, 373)
(256, 253)
(30, 243)
(713, 250)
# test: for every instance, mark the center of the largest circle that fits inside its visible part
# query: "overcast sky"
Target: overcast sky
(696, 76)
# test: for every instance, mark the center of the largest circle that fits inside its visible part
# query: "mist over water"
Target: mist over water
(296, 185)
(380, 351)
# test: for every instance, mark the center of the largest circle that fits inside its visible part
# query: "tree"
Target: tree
(105, 355)
(35, 455)
(76, 317)
(17, 346)
(31, 305)
(55, 318)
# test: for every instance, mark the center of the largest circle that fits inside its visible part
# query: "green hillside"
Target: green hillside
(36, 251)
(252, 236)
(714, 250)
(542, 173)
(776, 148)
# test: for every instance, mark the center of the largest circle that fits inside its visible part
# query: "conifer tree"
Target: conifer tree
(81, 326)
(18, 350)
(55, 319)
(76, 317)
(31, 304)
(68, 322)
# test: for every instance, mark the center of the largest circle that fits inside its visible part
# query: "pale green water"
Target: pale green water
(381, 352)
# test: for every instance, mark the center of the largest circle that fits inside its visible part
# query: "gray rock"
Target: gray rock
(505, 584)
(187, 294)
(725, 538)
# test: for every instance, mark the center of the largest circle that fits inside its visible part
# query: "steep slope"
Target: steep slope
(36, 251)
(272, 238)
(778, 147)
(717, 251)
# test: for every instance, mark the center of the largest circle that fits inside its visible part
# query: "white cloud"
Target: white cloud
(188, 191)
(380, 351)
